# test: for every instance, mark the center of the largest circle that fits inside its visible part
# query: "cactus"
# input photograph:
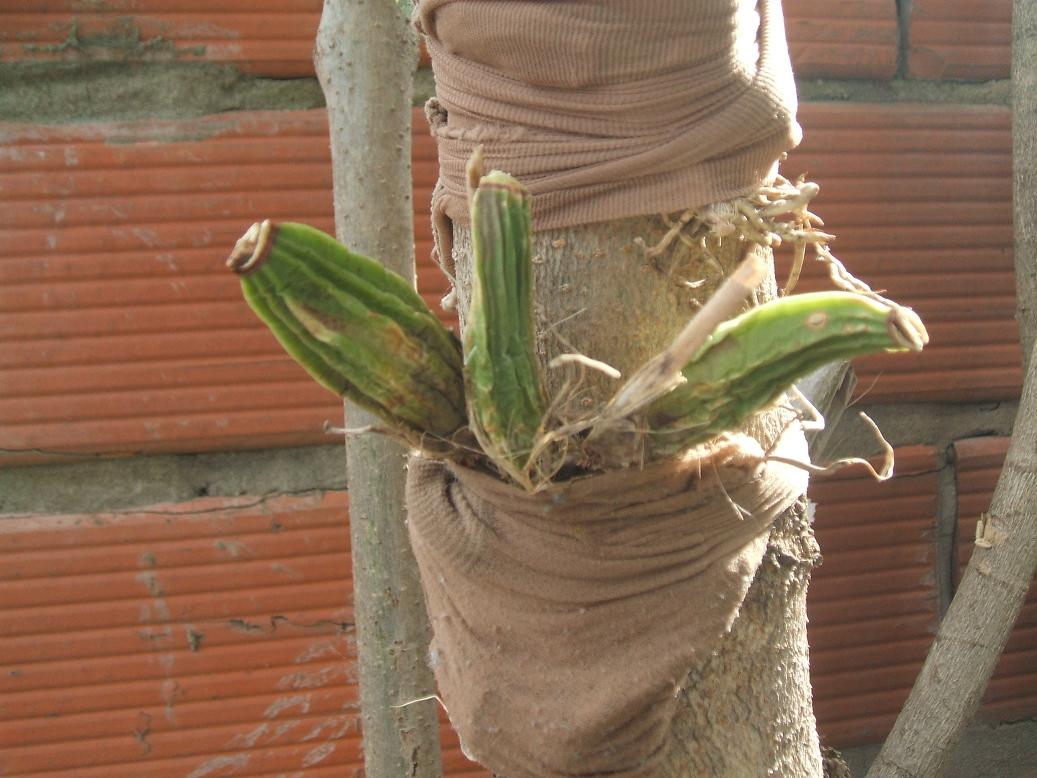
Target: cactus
(504, 386)
(360, 330)
(749, 361)
(364, 333)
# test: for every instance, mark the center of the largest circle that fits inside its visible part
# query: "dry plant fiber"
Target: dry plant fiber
(608, 109)
(566, 621)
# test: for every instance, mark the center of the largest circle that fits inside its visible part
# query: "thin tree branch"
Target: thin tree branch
(977, 625)
(366, 54)
(973, 634)
(1024, 165)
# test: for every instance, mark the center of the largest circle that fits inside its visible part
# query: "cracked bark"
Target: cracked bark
(366, 54)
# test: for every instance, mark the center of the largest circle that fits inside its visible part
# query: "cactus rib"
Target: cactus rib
(361, 331)
(749, 361)
(505, 388)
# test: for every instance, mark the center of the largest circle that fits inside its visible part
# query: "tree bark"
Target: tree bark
(366, 54)
(1024, 155)
(977, 625)
(973, 634)
(748, 711)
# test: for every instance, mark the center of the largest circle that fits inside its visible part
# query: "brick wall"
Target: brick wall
(172, 520)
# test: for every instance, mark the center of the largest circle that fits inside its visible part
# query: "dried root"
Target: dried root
(773, 216)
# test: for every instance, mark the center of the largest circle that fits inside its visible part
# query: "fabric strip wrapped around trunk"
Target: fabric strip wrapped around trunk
(565, 622)
(608, 108)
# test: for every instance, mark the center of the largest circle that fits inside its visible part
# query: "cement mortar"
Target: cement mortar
(56, 92)
(985, 751)
(51, 93)
(930, 424)
(424, 87)
(64, 92)
(119, 483)
(86, 487)
(905, 91)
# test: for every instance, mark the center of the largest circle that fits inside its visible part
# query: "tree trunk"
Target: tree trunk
(977, 625)
(1024, 156)
(366, 55)
(748, 710)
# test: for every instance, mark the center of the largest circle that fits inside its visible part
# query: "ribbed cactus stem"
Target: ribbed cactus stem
(360, 331)
(749, 361)
(505, 389)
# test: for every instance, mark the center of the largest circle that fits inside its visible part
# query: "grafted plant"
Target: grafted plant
(485, 423)
(698, 114)
(364, 333)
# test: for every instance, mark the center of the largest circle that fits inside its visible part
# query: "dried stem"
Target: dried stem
(663, 372)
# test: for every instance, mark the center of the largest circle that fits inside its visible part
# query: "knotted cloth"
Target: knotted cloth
(565, 622)
(606, 109)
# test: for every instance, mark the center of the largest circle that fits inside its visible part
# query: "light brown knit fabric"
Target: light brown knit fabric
(608, 108)
(565, 622)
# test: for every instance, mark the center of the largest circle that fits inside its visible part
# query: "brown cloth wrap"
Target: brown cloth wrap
(611, 108)
(565, 622)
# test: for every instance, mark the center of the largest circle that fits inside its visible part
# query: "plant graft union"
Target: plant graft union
(363, 332)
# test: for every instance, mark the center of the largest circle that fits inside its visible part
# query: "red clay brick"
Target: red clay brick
(961, 40)
(851, 39)
(268, 38)
(165, 638)
(856, 39)
(212, 637)
(123, 332)
(920, 199)
(872, 603)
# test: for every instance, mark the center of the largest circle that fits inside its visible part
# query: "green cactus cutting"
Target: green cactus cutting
(505, 388)
(360, 330)
(749, 361)
(364, 333)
